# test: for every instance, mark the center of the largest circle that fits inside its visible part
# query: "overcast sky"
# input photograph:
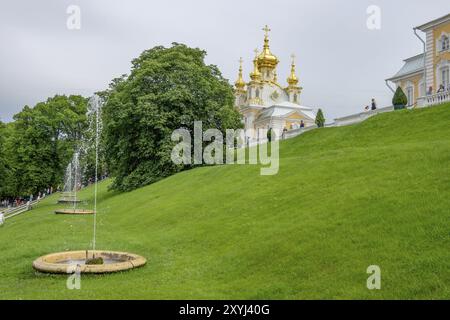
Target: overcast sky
(340, 62)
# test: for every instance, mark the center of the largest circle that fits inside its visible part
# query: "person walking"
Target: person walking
(283, 135)
(302, 124)
(374, 104)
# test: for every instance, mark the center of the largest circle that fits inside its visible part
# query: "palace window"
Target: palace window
(444, 43)
(410, 95)
(257, 93)
(445, 76)
(422, 89)
(295, 98)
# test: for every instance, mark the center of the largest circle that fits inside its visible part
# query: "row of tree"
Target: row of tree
(167, 89)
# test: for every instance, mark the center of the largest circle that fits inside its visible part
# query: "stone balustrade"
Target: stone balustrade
(433, 99)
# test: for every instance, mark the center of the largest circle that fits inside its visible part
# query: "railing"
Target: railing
(295, 132)
(434, 99)
(280, 136)
(11, 212)
(359, 117)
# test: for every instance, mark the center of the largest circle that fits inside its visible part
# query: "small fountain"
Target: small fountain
(88, 261)
(64, 262)
(72, 183)
(71, 179)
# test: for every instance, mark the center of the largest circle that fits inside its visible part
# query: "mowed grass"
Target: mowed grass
(375, 193)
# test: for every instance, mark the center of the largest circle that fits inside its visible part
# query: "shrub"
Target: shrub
(399, 100)
(320, 119)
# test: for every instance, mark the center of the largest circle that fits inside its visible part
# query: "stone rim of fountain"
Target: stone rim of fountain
(59, 262)
(74, 211)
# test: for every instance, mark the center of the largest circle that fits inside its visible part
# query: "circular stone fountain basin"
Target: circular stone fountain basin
(74, 211)
(71, 261)
(68, 200)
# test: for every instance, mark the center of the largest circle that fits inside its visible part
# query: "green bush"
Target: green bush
(399, 100)
(320, 119)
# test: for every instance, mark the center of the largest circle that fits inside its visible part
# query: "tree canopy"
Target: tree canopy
(3, 170)
(40, 143)
(167, 89)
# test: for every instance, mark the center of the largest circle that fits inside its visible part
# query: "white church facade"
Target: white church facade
(266, 104)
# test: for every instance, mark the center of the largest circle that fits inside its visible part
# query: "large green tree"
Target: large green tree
(6, 174)
(167, 89)
(2, 159)
(42, 142)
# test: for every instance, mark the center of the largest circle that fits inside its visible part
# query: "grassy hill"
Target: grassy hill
(344, 198)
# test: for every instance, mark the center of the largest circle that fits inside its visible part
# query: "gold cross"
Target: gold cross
(293, 58)
(240, 61)
(266, 30)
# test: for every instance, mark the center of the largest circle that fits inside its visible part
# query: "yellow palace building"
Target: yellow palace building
(264, 103)
(425, 78)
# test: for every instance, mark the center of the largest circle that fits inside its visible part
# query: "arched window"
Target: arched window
(295, 98)
(257, 93)
(444, 43)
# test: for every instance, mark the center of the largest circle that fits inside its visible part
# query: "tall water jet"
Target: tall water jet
(96, 108)
(88, 261)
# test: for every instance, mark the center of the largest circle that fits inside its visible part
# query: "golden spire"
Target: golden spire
(266, 58)
(240, 83)
(292, 80)
(255, 75)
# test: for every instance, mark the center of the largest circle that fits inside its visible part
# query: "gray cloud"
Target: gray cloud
(341, 64)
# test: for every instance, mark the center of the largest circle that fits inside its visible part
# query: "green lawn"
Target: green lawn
(344, 198)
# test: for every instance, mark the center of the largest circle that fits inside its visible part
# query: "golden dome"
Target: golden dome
(240, 83)
(255, 75)
(266, 59)
(292, 79)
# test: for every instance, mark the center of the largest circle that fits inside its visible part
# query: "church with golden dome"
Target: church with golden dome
(264, 103)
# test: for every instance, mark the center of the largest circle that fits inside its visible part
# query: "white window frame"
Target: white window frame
(410, 88)
(444, 45)
(440, 67)
(444, 76)
(422, 88)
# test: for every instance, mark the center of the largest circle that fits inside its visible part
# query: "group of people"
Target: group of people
(293, 127)
(19, 201)
(442, 88)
